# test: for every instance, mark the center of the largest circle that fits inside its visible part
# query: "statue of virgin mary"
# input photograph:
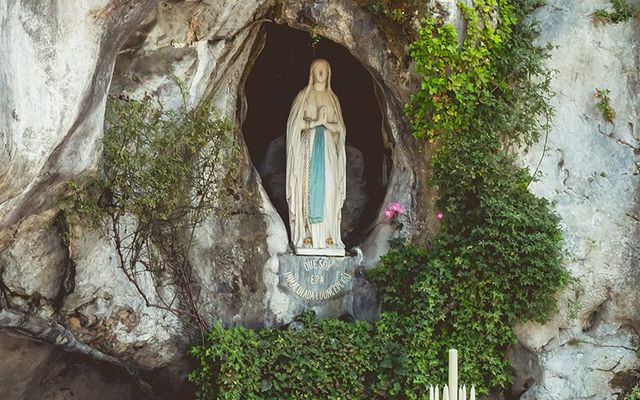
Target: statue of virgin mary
(316, 166)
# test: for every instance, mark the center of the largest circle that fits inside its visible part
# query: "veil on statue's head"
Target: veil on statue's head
(316, 62)
(334, 99)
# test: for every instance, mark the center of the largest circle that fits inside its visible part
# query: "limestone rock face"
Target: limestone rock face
(54, 80)
(590, 174)
(37, 266)
(105, 308)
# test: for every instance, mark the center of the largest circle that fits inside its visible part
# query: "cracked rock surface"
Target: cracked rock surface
(590, 174)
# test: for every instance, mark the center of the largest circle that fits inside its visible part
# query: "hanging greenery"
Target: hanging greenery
(157, 183)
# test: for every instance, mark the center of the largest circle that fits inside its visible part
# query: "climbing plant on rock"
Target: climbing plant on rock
(499, 242)
(622, 11)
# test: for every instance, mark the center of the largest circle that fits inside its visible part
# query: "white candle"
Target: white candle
(453, 374)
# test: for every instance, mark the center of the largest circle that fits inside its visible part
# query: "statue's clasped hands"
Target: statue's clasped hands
(322, 119)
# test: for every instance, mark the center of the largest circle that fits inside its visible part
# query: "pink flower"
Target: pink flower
(394, 209)
(440, 216)
(397, 207)
(389, 214)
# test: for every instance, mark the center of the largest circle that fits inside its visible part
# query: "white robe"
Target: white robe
(299, 146)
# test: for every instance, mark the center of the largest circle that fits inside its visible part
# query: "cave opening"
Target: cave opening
(280, 71)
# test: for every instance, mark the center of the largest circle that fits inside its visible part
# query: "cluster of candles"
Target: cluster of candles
(434, 393)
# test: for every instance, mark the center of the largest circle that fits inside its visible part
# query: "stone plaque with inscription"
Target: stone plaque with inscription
(316, 279)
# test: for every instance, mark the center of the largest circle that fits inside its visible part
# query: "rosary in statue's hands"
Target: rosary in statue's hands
(322, 119)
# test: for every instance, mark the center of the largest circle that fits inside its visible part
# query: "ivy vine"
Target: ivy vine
(634, 394)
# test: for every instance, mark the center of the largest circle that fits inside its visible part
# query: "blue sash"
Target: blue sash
(316, 178)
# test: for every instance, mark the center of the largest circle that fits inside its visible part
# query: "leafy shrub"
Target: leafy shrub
(157, 183)
(324, 359)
